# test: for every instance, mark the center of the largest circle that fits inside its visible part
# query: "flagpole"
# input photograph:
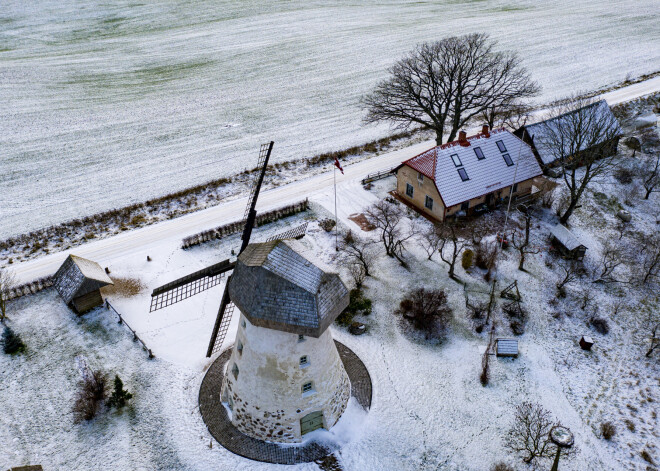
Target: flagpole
(334, 174)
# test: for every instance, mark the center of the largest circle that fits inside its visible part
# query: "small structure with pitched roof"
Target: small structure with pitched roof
(453, 178)
(542, 135)
(285, 377)
(566, 242)
(79, 281)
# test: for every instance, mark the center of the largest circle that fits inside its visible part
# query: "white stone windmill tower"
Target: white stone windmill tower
(284, 377)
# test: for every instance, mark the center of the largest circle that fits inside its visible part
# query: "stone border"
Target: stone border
(218, 423)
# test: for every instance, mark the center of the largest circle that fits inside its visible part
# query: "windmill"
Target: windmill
(194, 283)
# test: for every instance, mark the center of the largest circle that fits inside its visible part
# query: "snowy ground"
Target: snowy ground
(109, 104)
(429, 411)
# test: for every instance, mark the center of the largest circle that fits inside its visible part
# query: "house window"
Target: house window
(239, 348)
(465, 206)
(500, 146)
(515, 187)
(429, 202)
(409, 190)
(304, 361)
(420, 177)
(301, 338)
(463, 174)
(479, 152)
(307, 388)
(507, 159)
(456, 160)
(234, 371)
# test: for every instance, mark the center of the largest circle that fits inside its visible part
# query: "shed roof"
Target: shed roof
(485, 175)
(276, 287)
(541, 132)
(78, 276)
(566, 237)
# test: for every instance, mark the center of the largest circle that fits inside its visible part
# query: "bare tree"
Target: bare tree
(7, 282)
(530, 434)
(650, 251)
(431, 241)
(450, 240)
(444, 84)
(513, 114)
(357, 251)
(356, 269)
(522, 244)
(655, 340)
(577, 135)
(571, 273)
(389, 218)
(611, 258)
(426, 310)
(651, 177)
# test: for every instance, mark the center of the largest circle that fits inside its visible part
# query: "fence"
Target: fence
(135, 335)
(372, 177)
(31, 288)
(237, 226)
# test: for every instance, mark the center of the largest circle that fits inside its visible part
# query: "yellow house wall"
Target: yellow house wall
(523, 188)
(421, 189)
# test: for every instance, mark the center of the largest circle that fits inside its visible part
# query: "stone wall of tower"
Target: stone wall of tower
(266, 394)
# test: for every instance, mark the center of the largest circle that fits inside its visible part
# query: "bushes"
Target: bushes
(486, 253)
(467, 259)
(517, 317)
(359, 304)
(427, 311)
(119, 396)
(327, 224)
(607, 430)
(624, 175)
(12, 342)
(90, 396)
(501, 466)
(600, 325)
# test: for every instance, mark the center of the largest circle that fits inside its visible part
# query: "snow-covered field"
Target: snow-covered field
(429, 411)
(105, 104)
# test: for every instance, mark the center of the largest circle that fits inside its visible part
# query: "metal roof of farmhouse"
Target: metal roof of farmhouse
(488, 163)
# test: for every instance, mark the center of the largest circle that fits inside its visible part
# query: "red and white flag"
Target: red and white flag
(338, 166)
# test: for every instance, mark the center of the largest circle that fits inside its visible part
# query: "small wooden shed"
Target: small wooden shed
(79, 282)
(567, 244)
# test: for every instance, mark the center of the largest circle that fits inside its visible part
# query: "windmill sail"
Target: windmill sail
(189, 285)
(226, 307)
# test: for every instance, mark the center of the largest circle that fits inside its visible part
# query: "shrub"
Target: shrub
(467, 259)
(358, 305)
(327, 224)
(600, 325)
(630, 425)
(90, 396)
(624, 175)
(501, 466)
(607, 430)
(12, 342)
(426, 311)
(486, 253)
(119, 396)
(646, 456)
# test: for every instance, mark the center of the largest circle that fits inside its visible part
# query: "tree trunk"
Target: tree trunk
(648, 193)
(522, 260)
(569, 211)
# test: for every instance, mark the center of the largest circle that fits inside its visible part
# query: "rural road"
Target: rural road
(139, 241)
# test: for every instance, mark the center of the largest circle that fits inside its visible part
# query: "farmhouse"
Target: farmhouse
(451, 179)
(79, 282)
(543, 136)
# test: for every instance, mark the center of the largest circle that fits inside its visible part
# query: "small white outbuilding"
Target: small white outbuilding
(285, 377)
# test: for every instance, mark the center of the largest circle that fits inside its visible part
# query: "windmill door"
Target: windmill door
(311, 422)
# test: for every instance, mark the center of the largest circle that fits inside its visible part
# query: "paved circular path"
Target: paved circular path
(216, 419)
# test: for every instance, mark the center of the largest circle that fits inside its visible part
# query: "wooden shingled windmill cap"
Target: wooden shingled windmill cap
(276, 287)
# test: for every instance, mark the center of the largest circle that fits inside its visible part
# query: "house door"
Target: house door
(489, 199)
(311, 422)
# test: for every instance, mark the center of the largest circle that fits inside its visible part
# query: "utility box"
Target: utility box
(507, 348)
(586, 343)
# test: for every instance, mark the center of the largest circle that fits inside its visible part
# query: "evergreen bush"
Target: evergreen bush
(119, 396)
(467, 259)
(12, 342)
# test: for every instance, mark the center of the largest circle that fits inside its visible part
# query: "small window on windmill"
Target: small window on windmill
(307, 388)
(239, 348)
(304, 361)
(230, 404)
(234, 371)
(301, 338)
(243, 323)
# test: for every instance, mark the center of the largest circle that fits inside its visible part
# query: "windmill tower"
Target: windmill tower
(284, 377)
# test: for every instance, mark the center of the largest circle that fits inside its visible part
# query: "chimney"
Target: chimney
(484, 130)
(462, 139)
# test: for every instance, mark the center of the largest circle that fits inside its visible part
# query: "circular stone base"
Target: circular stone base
(217, 421)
